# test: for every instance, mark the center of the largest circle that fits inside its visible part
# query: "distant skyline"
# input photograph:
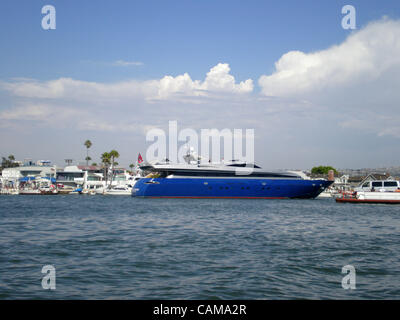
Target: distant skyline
(314, 93)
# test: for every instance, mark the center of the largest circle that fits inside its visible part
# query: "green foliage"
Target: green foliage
(108, 159)
(113, 154)
(323, 170)
(9, 162)
(87, 144)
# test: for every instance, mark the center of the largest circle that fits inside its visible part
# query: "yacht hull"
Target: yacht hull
(245, 188)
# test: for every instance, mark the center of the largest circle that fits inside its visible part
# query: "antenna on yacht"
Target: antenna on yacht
(191, 156)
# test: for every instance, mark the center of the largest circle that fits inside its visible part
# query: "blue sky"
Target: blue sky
(160, 38)
(169, 37)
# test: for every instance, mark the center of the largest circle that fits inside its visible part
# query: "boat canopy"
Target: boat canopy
(24, 179)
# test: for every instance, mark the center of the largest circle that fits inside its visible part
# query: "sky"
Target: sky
(314, 93)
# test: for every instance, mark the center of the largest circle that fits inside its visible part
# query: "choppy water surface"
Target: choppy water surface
(129, 248)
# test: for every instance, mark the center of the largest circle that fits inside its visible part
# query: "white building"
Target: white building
(11, 177)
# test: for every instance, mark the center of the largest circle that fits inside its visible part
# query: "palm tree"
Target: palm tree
(106, 160)
(113, 155)
(87, 144)
(131, 166)
(8, 162)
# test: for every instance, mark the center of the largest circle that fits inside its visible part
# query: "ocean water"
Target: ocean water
(105, 247)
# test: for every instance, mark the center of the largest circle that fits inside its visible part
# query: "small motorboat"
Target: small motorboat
(119, 191)
(327, 193)
(370, 197)
(29, 192)
(12, 191)
(48, 191)
(76, 191)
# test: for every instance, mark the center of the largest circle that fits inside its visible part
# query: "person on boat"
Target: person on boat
(373, 189)
(397, 190)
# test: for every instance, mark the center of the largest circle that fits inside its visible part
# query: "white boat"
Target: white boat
(48, 191)
(29, 192)
(9, 191)
(325, 194)
(378, 195)
(379, 185)
(119, 190)
(89, 191)
(116, 188)
(371, 197)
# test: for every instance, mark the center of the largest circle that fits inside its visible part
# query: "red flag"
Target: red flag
(139, 159)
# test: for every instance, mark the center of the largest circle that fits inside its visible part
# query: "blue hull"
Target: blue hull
(228, 188)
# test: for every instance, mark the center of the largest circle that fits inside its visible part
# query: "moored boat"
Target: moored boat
(30, 192)
(119, 190)
(48, 191)
(232, 180)
(370, 197)
(11, 191)
(326, 194)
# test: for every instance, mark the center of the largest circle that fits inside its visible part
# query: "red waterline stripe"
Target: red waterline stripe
(367, 201)
(191, 197)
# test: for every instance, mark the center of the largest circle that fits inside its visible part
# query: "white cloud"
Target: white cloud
(218, 80)
(354, 83)
(30, 88)
(123, 63)
(71, 88)
(45, 114)
(34, 112)
(182, 84)
(70, 117)
(363, 57)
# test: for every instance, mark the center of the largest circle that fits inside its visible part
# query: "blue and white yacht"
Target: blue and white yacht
(230, 180)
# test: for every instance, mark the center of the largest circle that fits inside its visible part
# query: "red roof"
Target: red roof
(89, 167)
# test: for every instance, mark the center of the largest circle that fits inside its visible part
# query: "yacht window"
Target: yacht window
(163, 174)
(390, 183)
(377, 184)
